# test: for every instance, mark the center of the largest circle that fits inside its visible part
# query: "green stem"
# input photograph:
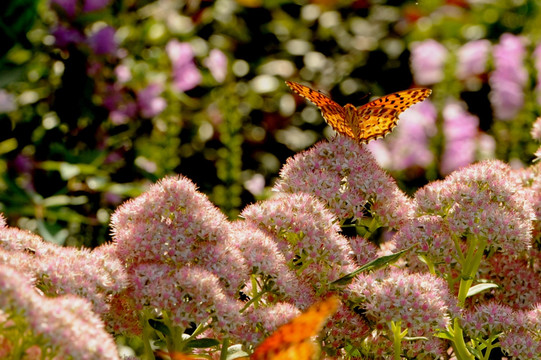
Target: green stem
(398, 335)
(460, 348)
(148, 354)
(476, 248)
(225, 346)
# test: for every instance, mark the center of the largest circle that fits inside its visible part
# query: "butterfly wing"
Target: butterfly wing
(379, 117)
(294, 340)
(332, 112)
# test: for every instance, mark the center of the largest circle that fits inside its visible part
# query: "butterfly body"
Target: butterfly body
(367, 122)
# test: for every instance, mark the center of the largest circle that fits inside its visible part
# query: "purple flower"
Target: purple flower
(65, 36)
(217, 64)
(472, 59)
(427, 61)
(460, 129)
(102, 42)
(509, 77)
(69, 7)
(186, 76)
(150, 102)
(408, 146)
(95, 5)
(537, 64)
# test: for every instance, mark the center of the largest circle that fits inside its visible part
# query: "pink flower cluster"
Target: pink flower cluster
(421, 303)
(345, 176)
(176, 259)
(509, 78)
(63, 326)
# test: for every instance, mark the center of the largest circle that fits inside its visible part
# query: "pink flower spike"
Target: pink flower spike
(217, 64)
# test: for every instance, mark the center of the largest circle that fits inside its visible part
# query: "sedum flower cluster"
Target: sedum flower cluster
(467, 276)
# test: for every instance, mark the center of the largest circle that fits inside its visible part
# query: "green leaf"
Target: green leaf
(159, 326)
(235, 352)
(202, 343)
(474, 290)
(16, 19)
(372, 265)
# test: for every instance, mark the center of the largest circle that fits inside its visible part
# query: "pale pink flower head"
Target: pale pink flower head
(530, 180)
(509, 77)
(217, 64)
(306, 234)
(189, 293)
(262, 321)
(521, 345)
(421, 302)
(150, 102)
(486, 320)
(490, 203)
(2, 221)
(186, 76)
(103, 42)
(66, 323)
(460, 129)
(262, 255)
(427, 61)
(345, 327)
(173, 223)
(432, 238)
(483, 200)
(344, 175)
(472, 59)
(523, 340)
(364, 250)
(63, 270)
(519, 284)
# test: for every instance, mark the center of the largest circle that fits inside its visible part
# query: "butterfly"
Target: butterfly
(367, 122)
(294, 340)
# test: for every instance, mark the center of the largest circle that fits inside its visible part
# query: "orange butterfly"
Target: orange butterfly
(294, 340)
(368, 122)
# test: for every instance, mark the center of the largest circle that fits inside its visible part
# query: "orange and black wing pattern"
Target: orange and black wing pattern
(370, 121)
(379, 117)
(333, 113)
(295, 340)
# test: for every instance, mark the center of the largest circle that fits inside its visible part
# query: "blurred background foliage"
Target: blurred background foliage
(99, 98)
